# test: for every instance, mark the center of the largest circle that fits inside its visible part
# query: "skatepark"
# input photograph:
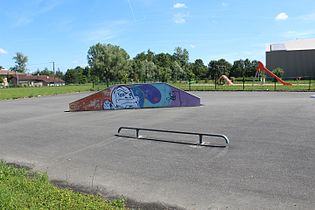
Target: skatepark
(269, 163)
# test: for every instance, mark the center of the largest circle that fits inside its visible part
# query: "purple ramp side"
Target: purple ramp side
(185, 98)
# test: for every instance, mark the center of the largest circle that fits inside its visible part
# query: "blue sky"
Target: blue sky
(63, 30)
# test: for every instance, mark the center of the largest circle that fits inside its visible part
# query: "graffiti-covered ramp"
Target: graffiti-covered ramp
(136, 96)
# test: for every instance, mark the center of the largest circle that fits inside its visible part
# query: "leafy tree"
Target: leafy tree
(189, 72)
(21, 61)
(219, 67)
(108, 62)
(163, 60)
(143, 68)
(148, 56)
(151, 73)
(164, 63)
(75, 76)
(164, 74)
(278, 72)
(253, 68)
(199, 69)
(45, 71)
(238, 69)
(244, 68)
(48, 72)
(181, 56)
(59, 74)
(177, 71)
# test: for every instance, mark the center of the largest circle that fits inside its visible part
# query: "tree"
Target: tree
(46, 71)
(21, 61)
(177, 71)
(238, 69)
(253, 68)
(148, 56)
(75, 76)
(199, 69)
(244, 68)
(164, 63)
(189, 72)
(181, 56)
(108, 62)
(164, 74)
(59, 74)
(278, 72)
(219, 67)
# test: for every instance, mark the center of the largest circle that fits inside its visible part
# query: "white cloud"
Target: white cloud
(193, 46)
(281, 16)
(3, 51)
(224, 4)
(179, 5)
(180, 18)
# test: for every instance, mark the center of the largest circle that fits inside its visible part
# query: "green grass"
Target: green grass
(22, 92)
(21, 189)
(13, 93)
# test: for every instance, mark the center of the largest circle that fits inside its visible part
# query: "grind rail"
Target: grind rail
(200, 142)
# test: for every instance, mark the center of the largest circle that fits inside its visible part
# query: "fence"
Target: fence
(306, 83)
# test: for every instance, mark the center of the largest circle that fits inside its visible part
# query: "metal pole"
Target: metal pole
(200, 139)
(243, 82)
(54, 71)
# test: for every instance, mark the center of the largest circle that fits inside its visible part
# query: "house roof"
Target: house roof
(4, 72)
(44, 78)
(26, 77)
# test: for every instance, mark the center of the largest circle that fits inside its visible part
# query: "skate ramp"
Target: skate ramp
(135, 96)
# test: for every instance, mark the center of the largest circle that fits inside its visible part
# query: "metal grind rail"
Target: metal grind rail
(200, 135)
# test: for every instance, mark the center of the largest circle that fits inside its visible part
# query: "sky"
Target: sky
(62, 31)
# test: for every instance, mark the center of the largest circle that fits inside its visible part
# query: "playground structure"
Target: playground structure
(261, 68)
(135, 96)
(224, 77)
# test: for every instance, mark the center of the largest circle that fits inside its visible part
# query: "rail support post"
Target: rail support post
(200, 139)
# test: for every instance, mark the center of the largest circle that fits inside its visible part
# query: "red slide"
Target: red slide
(261, 67)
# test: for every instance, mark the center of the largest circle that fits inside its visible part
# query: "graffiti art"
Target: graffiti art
(135, 96)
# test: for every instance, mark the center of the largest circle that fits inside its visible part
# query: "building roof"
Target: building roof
(5, 72)
(44, 78)
(26, 77)
(298, 44)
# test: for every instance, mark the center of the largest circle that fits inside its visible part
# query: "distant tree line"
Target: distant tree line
(111, 63)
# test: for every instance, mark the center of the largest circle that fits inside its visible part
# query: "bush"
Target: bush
(278, 72)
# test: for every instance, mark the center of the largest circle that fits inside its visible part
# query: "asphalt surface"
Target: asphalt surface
(270, 163)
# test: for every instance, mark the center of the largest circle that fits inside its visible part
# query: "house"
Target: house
(37, 81)
(22, 79)
(6, 75)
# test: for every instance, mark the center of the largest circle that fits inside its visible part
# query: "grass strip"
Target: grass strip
(24, 92)
(23, 189)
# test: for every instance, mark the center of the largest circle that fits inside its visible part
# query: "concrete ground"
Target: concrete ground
(270, 163)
